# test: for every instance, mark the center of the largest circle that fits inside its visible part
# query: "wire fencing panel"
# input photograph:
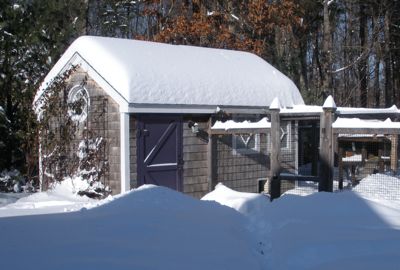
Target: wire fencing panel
(364, 163)
(368, 164)
(299, 155)
(242, 157)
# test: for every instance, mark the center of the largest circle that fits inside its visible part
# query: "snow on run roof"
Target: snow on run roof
(359, 123)
(299, 109)
(144, 72)
(349, 110)
(302, 109)
(230, 124)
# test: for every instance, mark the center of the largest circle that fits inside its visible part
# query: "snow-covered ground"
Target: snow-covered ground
(61, 198)
(157, 228)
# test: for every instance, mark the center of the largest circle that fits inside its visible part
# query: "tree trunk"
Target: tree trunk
(327, 52)
(377, 91)
(362, 66)
(388, 61)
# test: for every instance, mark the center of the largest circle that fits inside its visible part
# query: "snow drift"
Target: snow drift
(157, 228)
(149, 228)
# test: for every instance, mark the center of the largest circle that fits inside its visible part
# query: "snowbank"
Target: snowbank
(245, 203)
(157, 228)
(379, 186)
(10, 197)
(148, 228)
(61, 197)
(332, 231)
(320, 231)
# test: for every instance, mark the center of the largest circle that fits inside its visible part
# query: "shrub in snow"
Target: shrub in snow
(92, 167)
(13, 181)
(72, 186)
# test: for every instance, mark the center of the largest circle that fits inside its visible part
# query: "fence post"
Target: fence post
(326, 146)
(211, 151)
(393, 153)
(275, 183)
(340, 166)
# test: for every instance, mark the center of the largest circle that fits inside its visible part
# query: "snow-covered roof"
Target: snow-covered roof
(314, 109)
(149, 73)
(350, 110)
(360, 123)
(302, 109)
(231, 124)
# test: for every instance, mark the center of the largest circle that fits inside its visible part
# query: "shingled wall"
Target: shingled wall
(104, 120)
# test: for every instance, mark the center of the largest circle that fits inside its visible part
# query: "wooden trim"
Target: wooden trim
(275, 184)
(394, 153)
(210, 159)
(326, 148)
(124, 150)
(366, 130)
(363, 139)
(340, 167)
(296, 177)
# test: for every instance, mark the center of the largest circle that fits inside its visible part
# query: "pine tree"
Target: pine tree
(32, 35)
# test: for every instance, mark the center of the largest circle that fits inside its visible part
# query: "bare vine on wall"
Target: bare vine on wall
(69, 147)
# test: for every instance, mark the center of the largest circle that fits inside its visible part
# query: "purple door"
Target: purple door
(159, 151)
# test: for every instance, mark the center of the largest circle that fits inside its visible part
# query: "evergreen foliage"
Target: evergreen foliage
(32, 35)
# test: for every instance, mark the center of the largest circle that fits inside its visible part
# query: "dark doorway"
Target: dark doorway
(159, 151)
(308, 147)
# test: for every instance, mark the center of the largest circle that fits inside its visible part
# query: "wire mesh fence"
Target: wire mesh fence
(368, 164)
(299, 156)
(364, 163)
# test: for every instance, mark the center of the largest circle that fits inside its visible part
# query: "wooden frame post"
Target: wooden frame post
(124, 152)
(381, 163)
(393, 153)
(326, 156)
(340, 166)
(314, 162)
(211, 151)
(275, 183)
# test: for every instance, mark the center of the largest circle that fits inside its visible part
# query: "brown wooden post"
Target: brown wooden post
(394, 153)
(314, 162)
(340, 165)
(380, 160)
(353, 174)
(326, 157)
(275, 183)
(211, 152)
(363, 154)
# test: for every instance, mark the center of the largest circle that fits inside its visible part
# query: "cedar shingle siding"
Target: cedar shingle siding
(103, 120)
(239, 171)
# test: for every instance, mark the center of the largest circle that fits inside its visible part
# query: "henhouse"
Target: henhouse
(186, 118)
